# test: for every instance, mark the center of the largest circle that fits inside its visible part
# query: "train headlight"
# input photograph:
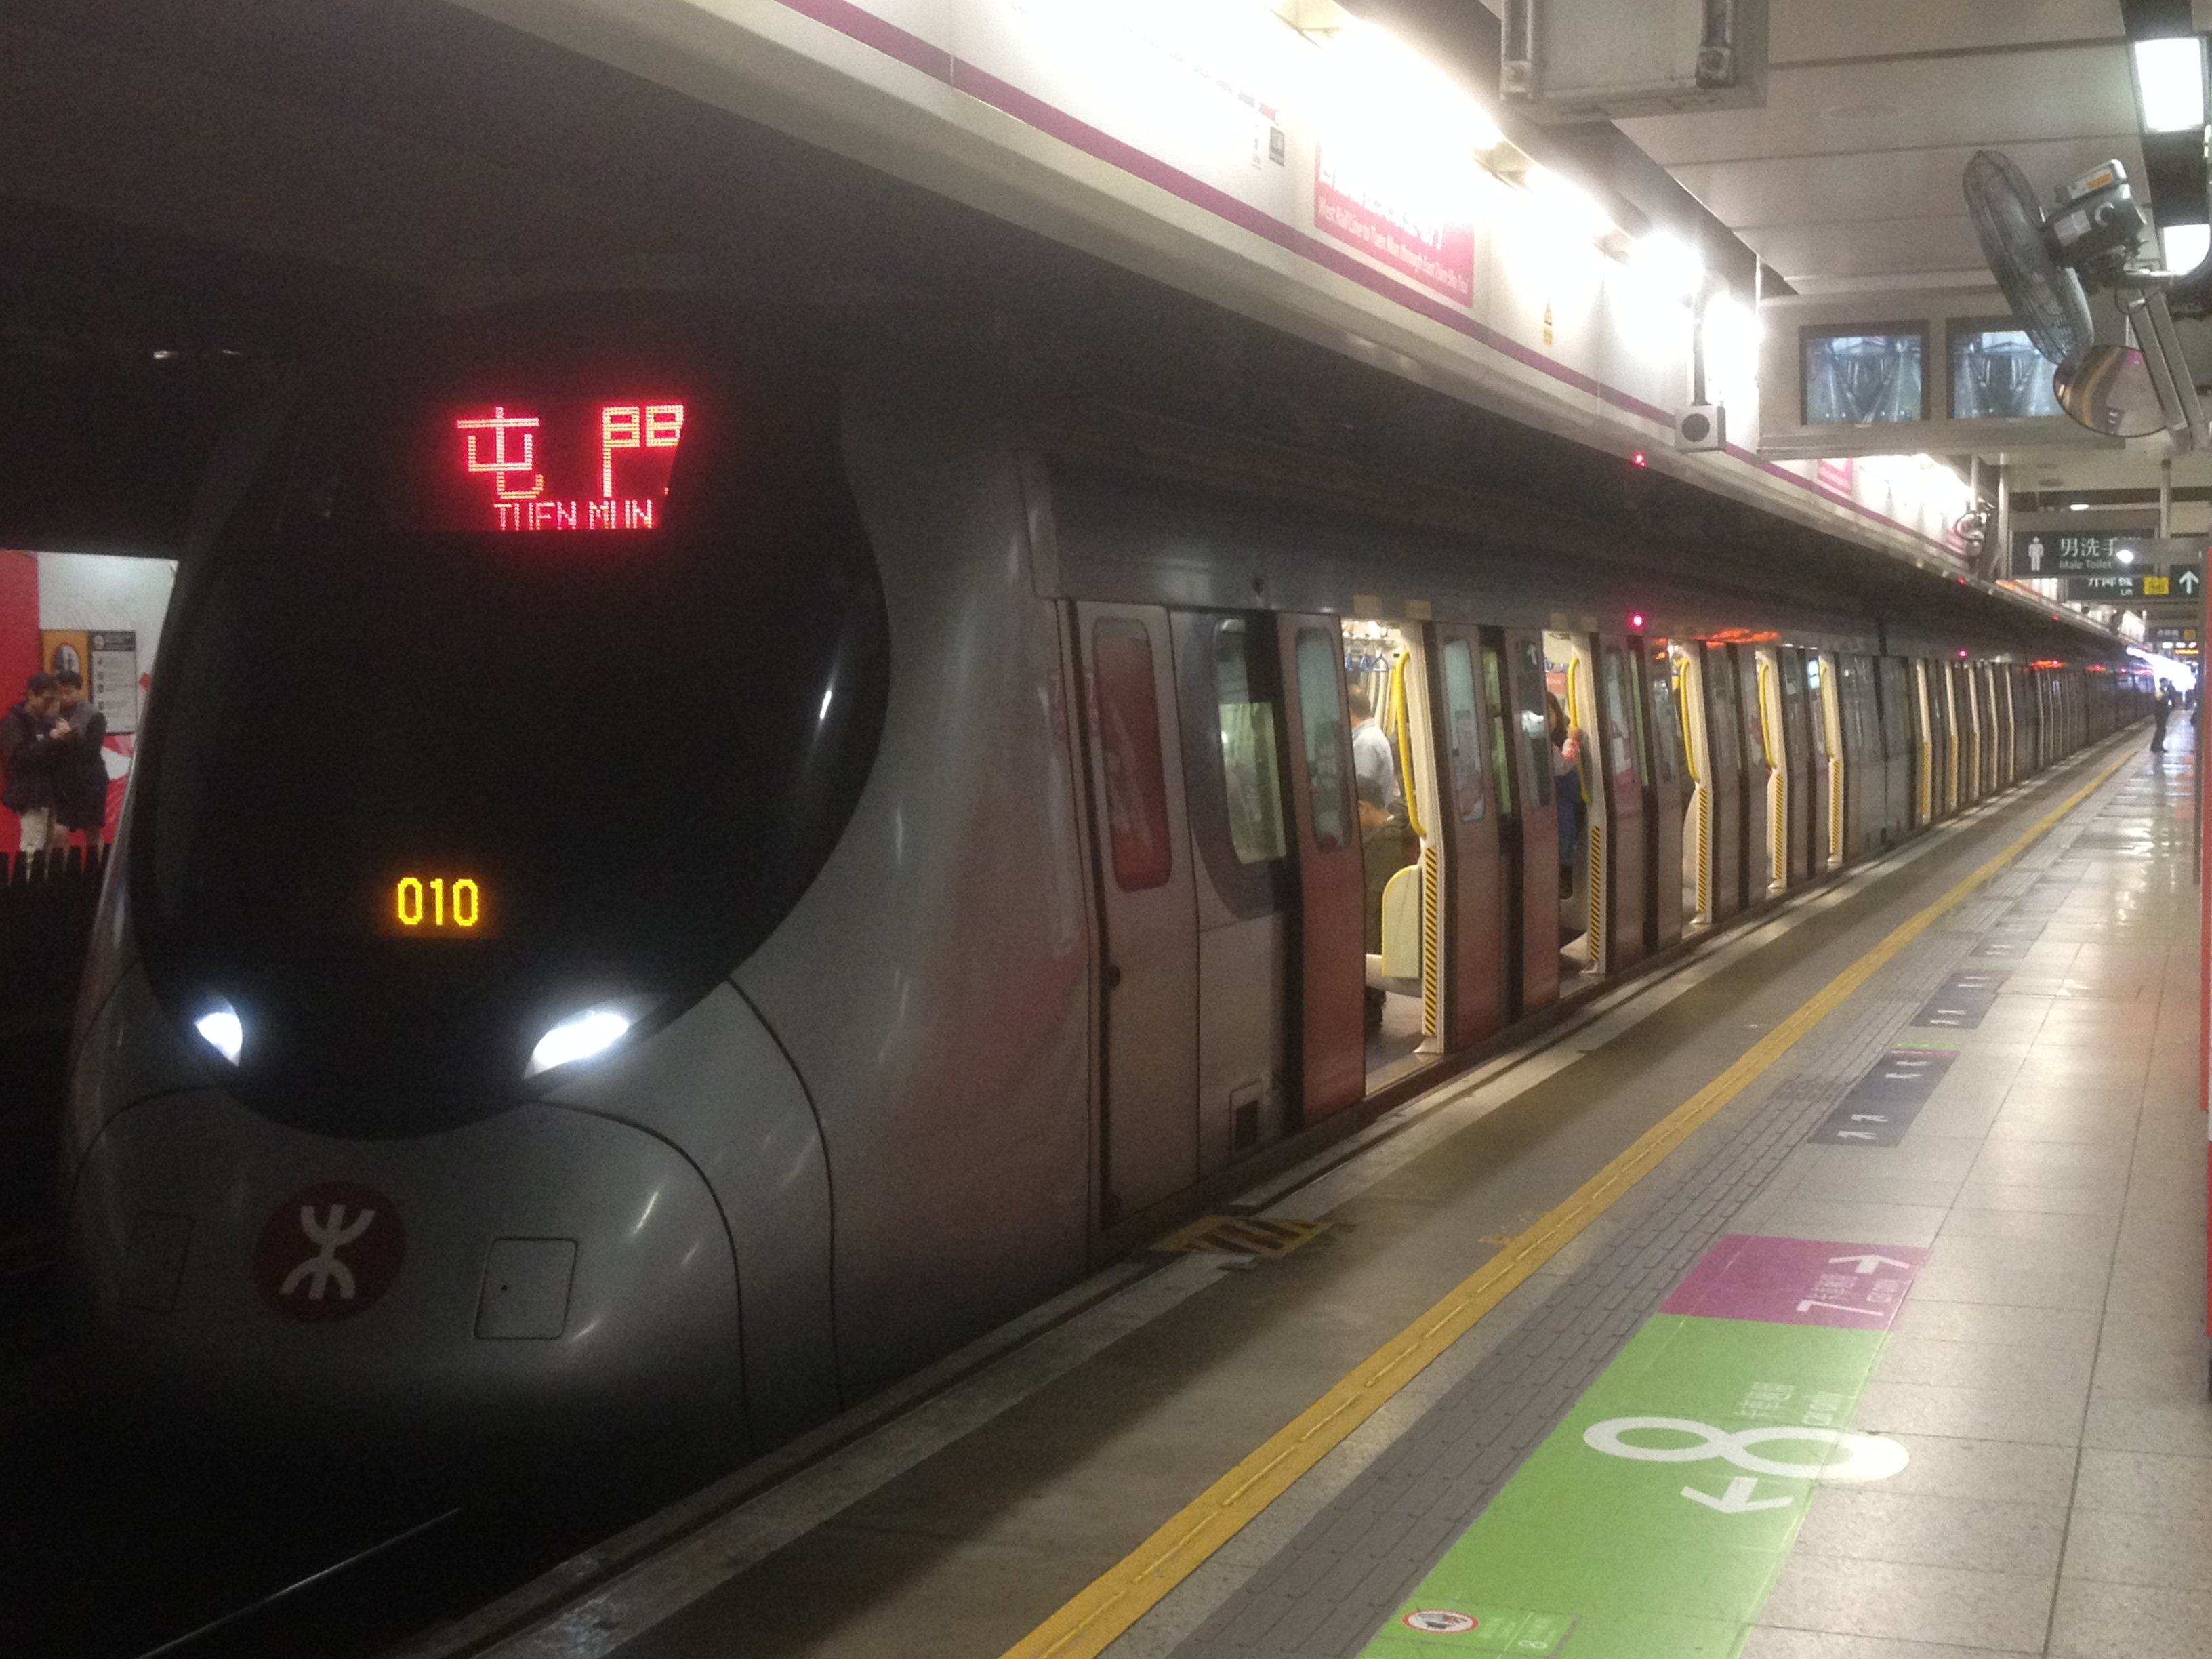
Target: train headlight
(580, 1036)
(221, 1029)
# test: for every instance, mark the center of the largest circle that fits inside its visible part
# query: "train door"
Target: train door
(1809, 729)
(1331, 953)
(1624, 854)
(1664, 799)
(1226, 677)
(1858, 741)
(1472, 811)
(1394, 778)
(1540, 824)
(1925, 795)
(1905, 751)
(1945, 696)
(1777, 803)
(1585, 908)
(1966, 692)
(1509, 790)
(1717, 725)
(2003, 766)
(1758, 770)
(1806, 785)
(1148, 1129)
(2007, 678)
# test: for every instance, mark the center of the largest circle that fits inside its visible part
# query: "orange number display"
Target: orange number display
(437, 904)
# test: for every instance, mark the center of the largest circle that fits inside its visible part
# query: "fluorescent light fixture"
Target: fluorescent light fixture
(2170, 84)
(2185, 245)
(222, 1031)
(1572, 210)
(1384, 78)
(1669, 265)
(580, 1036)
(2077, 506)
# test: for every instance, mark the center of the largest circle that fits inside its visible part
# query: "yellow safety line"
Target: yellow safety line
(1116, 1601)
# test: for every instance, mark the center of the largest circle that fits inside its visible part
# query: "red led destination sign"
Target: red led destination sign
(534, 465)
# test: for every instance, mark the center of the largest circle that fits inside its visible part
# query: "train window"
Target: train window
(370, 689)
(1127, 699)
(1724, 722)
(1463, 729)
(1666, 735)
(1501, 755)
(1252, 787)
(1754, 710)
(1816, 711)
(1619, 715)
(1536, 730)
(1321, 709)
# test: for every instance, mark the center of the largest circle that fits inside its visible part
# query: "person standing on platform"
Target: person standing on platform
(81, 777)
(32, 742)
(2160, 709)
(1371, 758)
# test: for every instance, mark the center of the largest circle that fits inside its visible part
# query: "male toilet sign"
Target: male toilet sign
(328, 1251)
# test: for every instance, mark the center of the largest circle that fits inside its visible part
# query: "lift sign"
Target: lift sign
(551, 466)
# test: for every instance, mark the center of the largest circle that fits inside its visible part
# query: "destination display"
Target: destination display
(544, 465)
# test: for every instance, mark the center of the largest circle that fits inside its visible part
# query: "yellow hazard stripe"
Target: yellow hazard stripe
(1110, 1604)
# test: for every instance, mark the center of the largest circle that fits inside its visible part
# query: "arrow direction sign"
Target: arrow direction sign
(1737, 1499)
(2189, 579)
(1853, 1135)
(1867, 1264)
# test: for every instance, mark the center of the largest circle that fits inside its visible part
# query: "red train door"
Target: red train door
(1148, 1130)
(1621, 762)
(1476, 936)
(1540, 824)
(1332, 955)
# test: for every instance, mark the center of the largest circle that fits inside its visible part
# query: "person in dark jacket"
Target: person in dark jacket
(81, 776)
(32, 744)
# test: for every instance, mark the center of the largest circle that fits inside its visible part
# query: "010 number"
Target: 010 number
(437, 904)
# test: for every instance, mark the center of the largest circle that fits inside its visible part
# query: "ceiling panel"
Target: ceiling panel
(1882, 246)
(1794, 189)
(1907, 104)
(1799, 30)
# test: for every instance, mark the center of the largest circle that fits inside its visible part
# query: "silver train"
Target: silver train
(674, 877)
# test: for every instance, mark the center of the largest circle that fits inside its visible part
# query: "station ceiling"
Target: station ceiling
(1848, 179)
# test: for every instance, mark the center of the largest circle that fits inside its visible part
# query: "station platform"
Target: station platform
(1835, 1293)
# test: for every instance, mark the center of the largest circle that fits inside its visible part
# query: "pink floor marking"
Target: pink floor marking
(1799, 1281)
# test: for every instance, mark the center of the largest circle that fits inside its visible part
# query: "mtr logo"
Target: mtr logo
(329, 1252)
(608, 463)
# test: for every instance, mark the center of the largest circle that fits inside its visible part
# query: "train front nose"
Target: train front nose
(543, 1273)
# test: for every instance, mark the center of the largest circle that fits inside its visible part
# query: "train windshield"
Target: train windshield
(504, 694)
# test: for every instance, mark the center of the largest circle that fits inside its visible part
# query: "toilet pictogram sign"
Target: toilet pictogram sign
(328, 1251)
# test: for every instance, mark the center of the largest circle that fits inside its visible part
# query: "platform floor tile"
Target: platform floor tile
(2045, 1374)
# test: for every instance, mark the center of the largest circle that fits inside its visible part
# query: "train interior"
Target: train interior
(1697, 780)
(1401, 859)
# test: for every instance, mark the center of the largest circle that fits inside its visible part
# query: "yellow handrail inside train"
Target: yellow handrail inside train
(1399, 725)
(1682, 715)
(1575, 723)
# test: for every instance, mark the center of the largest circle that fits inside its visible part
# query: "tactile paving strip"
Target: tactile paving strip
(1322, 1595)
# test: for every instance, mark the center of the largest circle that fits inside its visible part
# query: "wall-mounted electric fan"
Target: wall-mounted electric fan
(2048, 264)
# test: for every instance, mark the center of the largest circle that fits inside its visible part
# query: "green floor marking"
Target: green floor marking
(1598, 1541)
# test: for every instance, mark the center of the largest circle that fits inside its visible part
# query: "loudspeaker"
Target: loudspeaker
(1701, 426)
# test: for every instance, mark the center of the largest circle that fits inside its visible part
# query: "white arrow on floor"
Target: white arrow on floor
(1737, 1499)
(1866, 1264)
